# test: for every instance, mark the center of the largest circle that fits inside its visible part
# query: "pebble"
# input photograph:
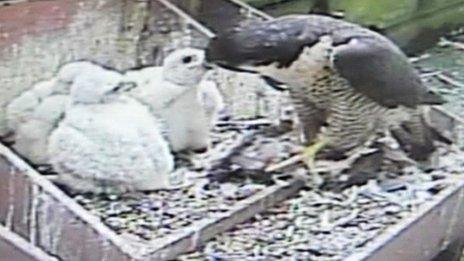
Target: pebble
(392, 209)
(228, 190)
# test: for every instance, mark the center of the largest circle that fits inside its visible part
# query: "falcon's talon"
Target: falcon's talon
(310, 152)
(286, 163)
(277, 181)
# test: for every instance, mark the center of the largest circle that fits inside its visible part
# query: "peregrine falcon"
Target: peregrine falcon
(346, 82)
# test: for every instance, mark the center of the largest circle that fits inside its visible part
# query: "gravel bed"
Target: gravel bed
(325, 225)
(159, 214)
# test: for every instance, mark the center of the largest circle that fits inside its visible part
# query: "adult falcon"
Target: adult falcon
(346, 82)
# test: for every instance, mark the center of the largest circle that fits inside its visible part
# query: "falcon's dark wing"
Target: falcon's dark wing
(261, 43)
(375, 67)
(371, 63)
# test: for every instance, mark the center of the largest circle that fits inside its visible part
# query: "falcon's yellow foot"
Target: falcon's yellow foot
(308, 156)
(309, 153)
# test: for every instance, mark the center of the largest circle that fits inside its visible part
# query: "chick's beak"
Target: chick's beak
(124, 86)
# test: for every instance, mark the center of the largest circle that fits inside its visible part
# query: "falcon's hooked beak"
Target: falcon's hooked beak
(276, 85)
(234, 68)
(207, 66)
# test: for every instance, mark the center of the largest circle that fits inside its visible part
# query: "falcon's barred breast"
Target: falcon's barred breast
(345, 80)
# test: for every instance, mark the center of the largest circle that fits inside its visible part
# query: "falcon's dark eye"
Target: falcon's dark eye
(187, 59)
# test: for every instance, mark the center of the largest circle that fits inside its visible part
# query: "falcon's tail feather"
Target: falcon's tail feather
(418, 136)
(432, 98)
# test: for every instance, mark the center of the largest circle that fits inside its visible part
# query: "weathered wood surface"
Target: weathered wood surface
(423, 235)
(48, 219)
(200, 232)
(15, 248)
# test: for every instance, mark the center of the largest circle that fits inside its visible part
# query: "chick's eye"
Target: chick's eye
(187, 59)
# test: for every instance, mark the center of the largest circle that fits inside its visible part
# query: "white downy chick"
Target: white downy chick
(175, 95)
(31, 137)
(143, 77)
(20, 109)
(211, 99)
(68, 72)
(108, 142)
(35, 113)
